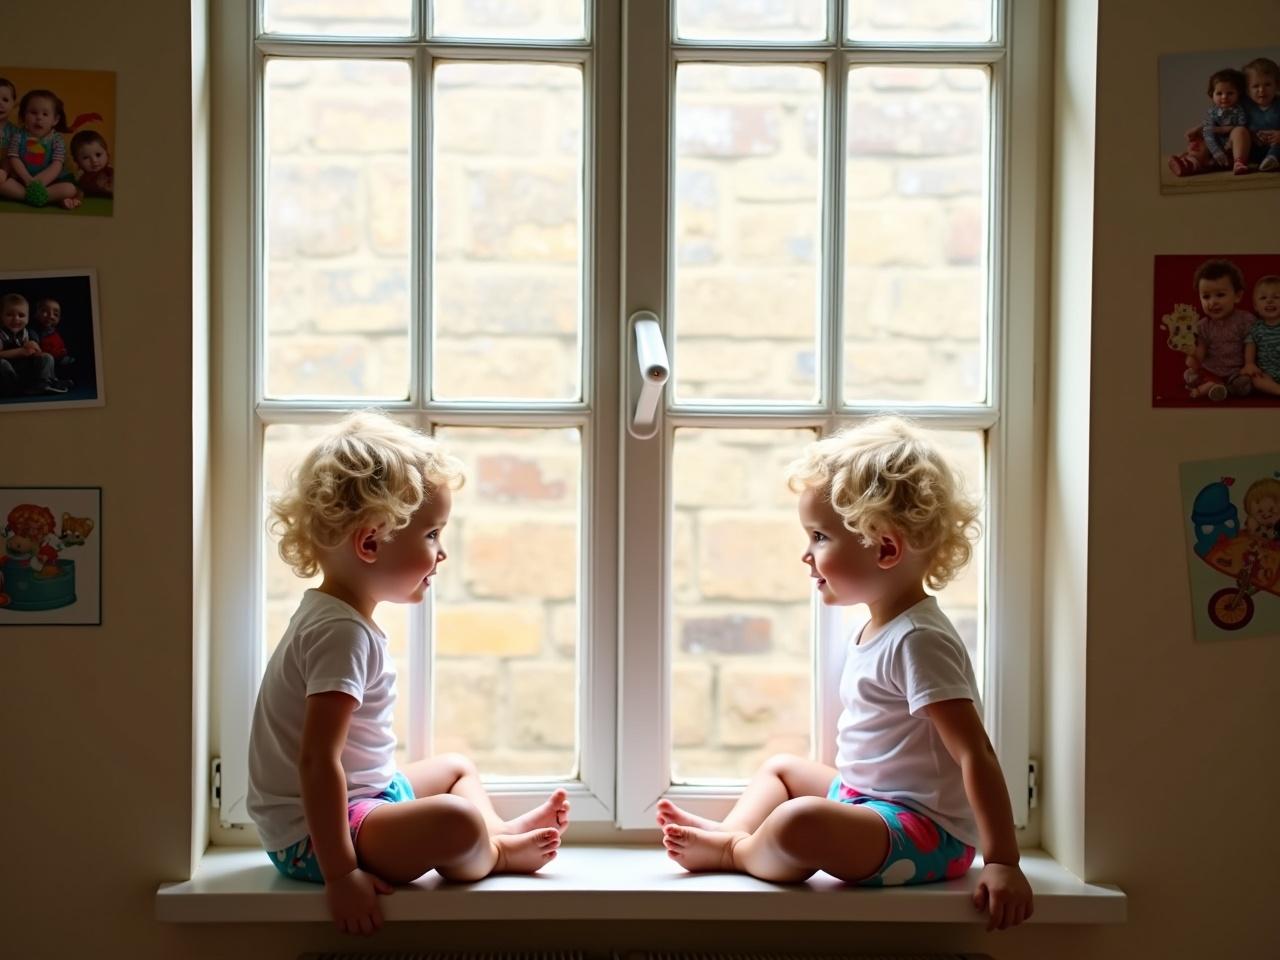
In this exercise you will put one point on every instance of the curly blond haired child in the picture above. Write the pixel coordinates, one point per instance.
(916, 783)
(367, 508)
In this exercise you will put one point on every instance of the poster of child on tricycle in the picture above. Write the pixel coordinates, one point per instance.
(1232, 512)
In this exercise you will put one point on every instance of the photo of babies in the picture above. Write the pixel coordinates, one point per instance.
(57, 139)
(49, 340)
(1216, 332)
(1220, 120)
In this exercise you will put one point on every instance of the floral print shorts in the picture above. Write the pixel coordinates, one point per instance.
(920, 851)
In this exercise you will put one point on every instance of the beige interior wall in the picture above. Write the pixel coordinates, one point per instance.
(1164, 791)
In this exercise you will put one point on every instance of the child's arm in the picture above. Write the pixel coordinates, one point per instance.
(351, 893)
(49, 173)
(1250, 368)
(1002, 889)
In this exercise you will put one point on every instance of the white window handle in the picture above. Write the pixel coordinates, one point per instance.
(648, 375)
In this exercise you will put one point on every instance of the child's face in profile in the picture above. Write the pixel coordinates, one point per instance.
(49, 314)
(92, 156)
(1225, 94)
(1218, 297)
(1266, 301)
(407, 561)
(15, 317)
(6, 102)
(41, 116)
(1262, 88)
(845, 568)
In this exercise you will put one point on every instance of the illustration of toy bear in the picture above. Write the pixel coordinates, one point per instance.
(31, 575)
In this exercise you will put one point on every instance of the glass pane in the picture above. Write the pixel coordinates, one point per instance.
(509, 19)
(339, 18)
(284, 447)
(507, 606)
(748, 227)
(947, 21)
(916, 235)
(741, 659)
(962, 599)
(753, 20)
(337, 228)
(507, 270)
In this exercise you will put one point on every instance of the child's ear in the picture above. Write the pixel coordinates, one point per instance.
(891, 550)
(365, 541)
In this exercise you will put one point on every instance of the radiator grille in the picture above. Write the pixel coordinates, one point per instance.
(636, 955)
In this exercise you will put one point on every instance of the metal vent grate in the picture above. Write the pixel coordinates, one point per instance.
(636, 955)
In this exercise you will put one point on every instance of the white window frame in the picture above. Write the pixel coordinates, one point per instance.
(625, 681)
(1008, 416)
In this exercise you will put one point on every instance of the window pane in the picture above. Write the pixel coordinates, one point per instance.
(757, 20)
(284, 446)
(507, 607)
(748, 223)
(337, 229)
(741, 659)
(962, 599)
(509, 19)
(507, 266)
(368, 18)
(953, 21)
(915, 293)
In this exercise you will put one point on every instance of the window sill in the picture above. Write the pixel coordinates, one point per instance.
(622, 883)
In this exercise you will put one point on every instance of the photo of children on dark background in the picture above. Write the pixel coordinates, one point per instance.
(1220, 120)
(49, 341)
(57, 140)
(1216, 331)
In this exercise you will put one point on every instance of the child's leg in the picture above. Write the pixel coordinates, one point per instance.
(13, 189)
(1265, 384)
(797, 839)
(64, 194)
(457, 774)
(779, 778)
(399, 842)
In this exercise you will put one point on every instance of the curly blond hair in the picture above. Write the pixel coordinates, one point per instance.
(885, 475)
(367, 471)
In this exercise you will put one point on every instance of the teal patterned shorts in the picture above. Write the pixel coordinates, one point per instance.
(298, 862)
(920, 851)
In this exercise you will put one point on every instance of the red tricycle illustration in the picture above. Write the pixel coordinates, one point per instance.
(1254, 563)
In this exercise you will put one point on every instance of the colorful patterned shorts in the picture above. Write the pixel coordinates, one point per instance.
(920, 851)
(298, 862)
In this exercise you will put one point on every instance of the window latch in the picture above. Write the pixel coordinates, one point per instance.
(647, 375)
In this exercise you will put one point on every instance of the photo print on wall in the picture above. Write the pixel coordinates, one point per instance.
(1216, 331)
(1220, 120)
(51, 568)
(1231, 512)
(57, 141)
(50, 340)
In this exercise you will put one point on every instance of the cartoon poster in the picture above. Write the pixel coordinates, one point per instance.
(57, 141)
(51, 568)
(1231, 509)
(50, 341)
(1216, 331)
(1220, 120)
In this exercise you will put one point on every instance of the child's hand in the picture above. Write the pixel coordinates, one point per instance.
(353, 901)
(1250, 370)
(1004, 893)
(31, 347)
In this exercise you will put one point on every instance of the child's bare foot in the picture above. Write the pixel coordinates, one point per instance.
(70, 203)
(697, 850)
(525, 852)
(668, 812)
(552, 812)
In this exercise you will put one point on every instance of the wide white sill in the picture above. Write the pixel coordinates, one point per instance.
(622, 883)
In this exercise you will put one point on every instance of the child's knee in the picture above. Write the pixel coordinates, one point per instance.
(780, 764)
(801, 829)
(459, 765)
(457, 827)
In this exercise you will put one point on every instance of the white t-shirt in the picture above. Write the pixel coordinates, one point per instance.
(327, 646)
(886, 746)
